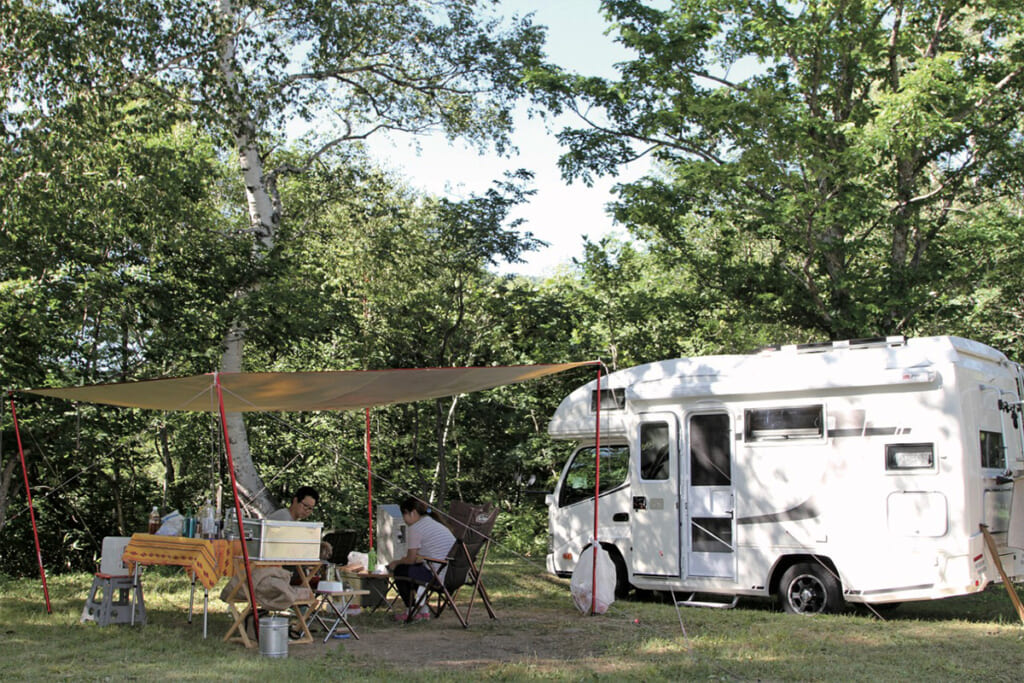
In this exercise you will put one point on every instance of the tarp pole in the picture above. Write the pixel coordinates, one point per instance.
(31, 509)
(597, 493)
(369, 481)
(238, 506)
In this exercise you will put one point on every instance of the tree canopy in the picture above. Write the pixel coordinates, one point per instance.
(184, 189)
(846, 164)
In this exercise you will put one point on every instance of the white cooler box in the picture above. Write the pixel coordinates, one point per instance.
(268, 539)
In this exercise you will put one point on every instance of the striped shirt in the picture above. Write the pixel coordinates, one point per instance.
(431, 537)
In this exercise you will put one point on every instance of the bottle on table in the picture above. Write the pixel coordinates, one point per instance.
(154, 520)
(207, 521)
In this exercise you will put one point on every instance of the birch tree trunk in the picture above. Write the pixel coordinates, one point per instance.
(264, 220)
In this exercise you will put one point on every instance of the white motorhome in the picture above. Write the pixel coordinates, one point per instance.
(854, 471)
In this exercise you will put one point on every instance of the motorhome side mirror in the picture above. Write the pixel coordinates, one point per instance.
(549, 499)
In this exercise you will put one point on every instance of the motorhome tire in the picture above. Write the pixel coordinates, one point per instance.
(622, 584)
(810, 588)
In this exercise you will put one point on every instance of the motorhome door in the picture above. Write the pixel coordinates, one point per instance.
(654, 521)
(710, 497)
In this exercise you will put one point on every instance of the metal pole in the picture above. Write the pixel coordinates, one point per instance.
(31, 509)
(238, 506)
(369, 480)
(597, 493)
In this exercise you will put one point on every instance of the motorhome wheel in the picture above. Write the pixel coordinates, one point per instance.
(810, 588)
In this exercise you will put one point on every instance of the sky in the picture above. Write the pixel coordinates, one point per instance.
(559, 213)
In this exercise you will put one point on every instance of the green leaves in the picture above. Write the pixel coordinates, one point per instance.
(836, 140)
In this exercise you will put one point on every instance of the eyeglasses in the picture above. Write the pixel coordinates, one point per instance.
(309, 508)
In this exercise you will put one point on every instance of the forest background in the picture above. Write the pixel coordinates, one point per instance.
(860, 175)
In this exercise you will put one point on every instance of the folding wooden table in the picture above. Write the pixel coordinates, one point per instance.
(240, 606)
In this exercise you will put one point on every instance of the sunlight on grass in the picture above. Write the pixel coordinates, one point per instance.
(539, 635)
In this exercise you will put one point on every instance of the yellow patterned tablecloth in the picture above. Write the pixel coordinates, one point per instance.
(207, 560)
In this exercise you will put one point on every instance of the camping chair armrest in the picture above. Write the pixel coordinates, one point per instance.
(439, 560)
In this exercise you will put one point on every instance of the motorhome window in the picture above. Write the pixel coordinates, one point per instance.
(783, 424)
(710, 450)
(993, 454)
(611, 399)
(654, 451)
(909, 456)
(582, 474)
(711, 535)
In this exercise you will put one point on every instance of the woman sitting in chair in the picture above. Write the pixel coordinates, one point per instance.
(426, 537)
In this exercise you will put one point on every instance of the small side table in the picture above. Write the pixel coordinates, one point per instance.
(338, 600)
(378, 585)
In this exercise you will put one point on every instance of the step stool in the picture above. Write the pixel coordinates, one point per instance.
(101, 606)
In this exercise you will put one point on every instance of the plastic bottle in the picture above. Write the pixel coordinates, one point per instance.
(154, 520)
(207, 520)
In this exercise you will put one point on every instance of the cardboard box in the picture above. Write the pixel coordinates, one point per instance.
(268, 539)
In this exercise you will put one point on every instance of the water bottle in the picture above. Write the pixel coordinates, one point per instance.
(207, 521)
(154, 520)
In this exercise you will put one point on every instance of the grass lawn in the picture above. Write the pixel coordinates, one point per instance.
(538, 635)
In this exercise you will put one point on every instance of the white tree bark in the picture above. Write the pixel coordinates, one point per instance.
(263, 220)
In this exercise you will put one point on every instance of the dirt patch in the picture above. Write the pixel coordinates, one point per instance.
(546, 639)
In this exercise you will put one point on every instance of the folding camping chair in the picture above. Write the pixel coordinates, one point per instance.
(447, 576)
(472, 526)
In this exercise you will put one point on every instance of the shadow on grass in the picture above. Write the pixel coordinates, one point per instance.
(538, 634)
(991, 605)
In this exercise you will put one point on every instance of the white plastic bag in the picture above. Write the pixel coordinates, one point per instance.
(171, 525)
(583, 578)
(361, 559)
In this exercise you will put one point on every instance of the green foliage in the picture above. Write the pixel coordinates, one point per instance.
(126, 248)
(820, 170)
(519, 531)
(823, 165)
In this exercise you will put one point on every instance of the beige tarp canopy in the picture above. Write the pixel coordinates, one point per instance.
(298, 391)
(287, 391)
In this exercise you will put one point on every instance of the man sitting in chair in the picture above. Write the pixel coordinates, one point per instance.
(303, 502)
(426, 537)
